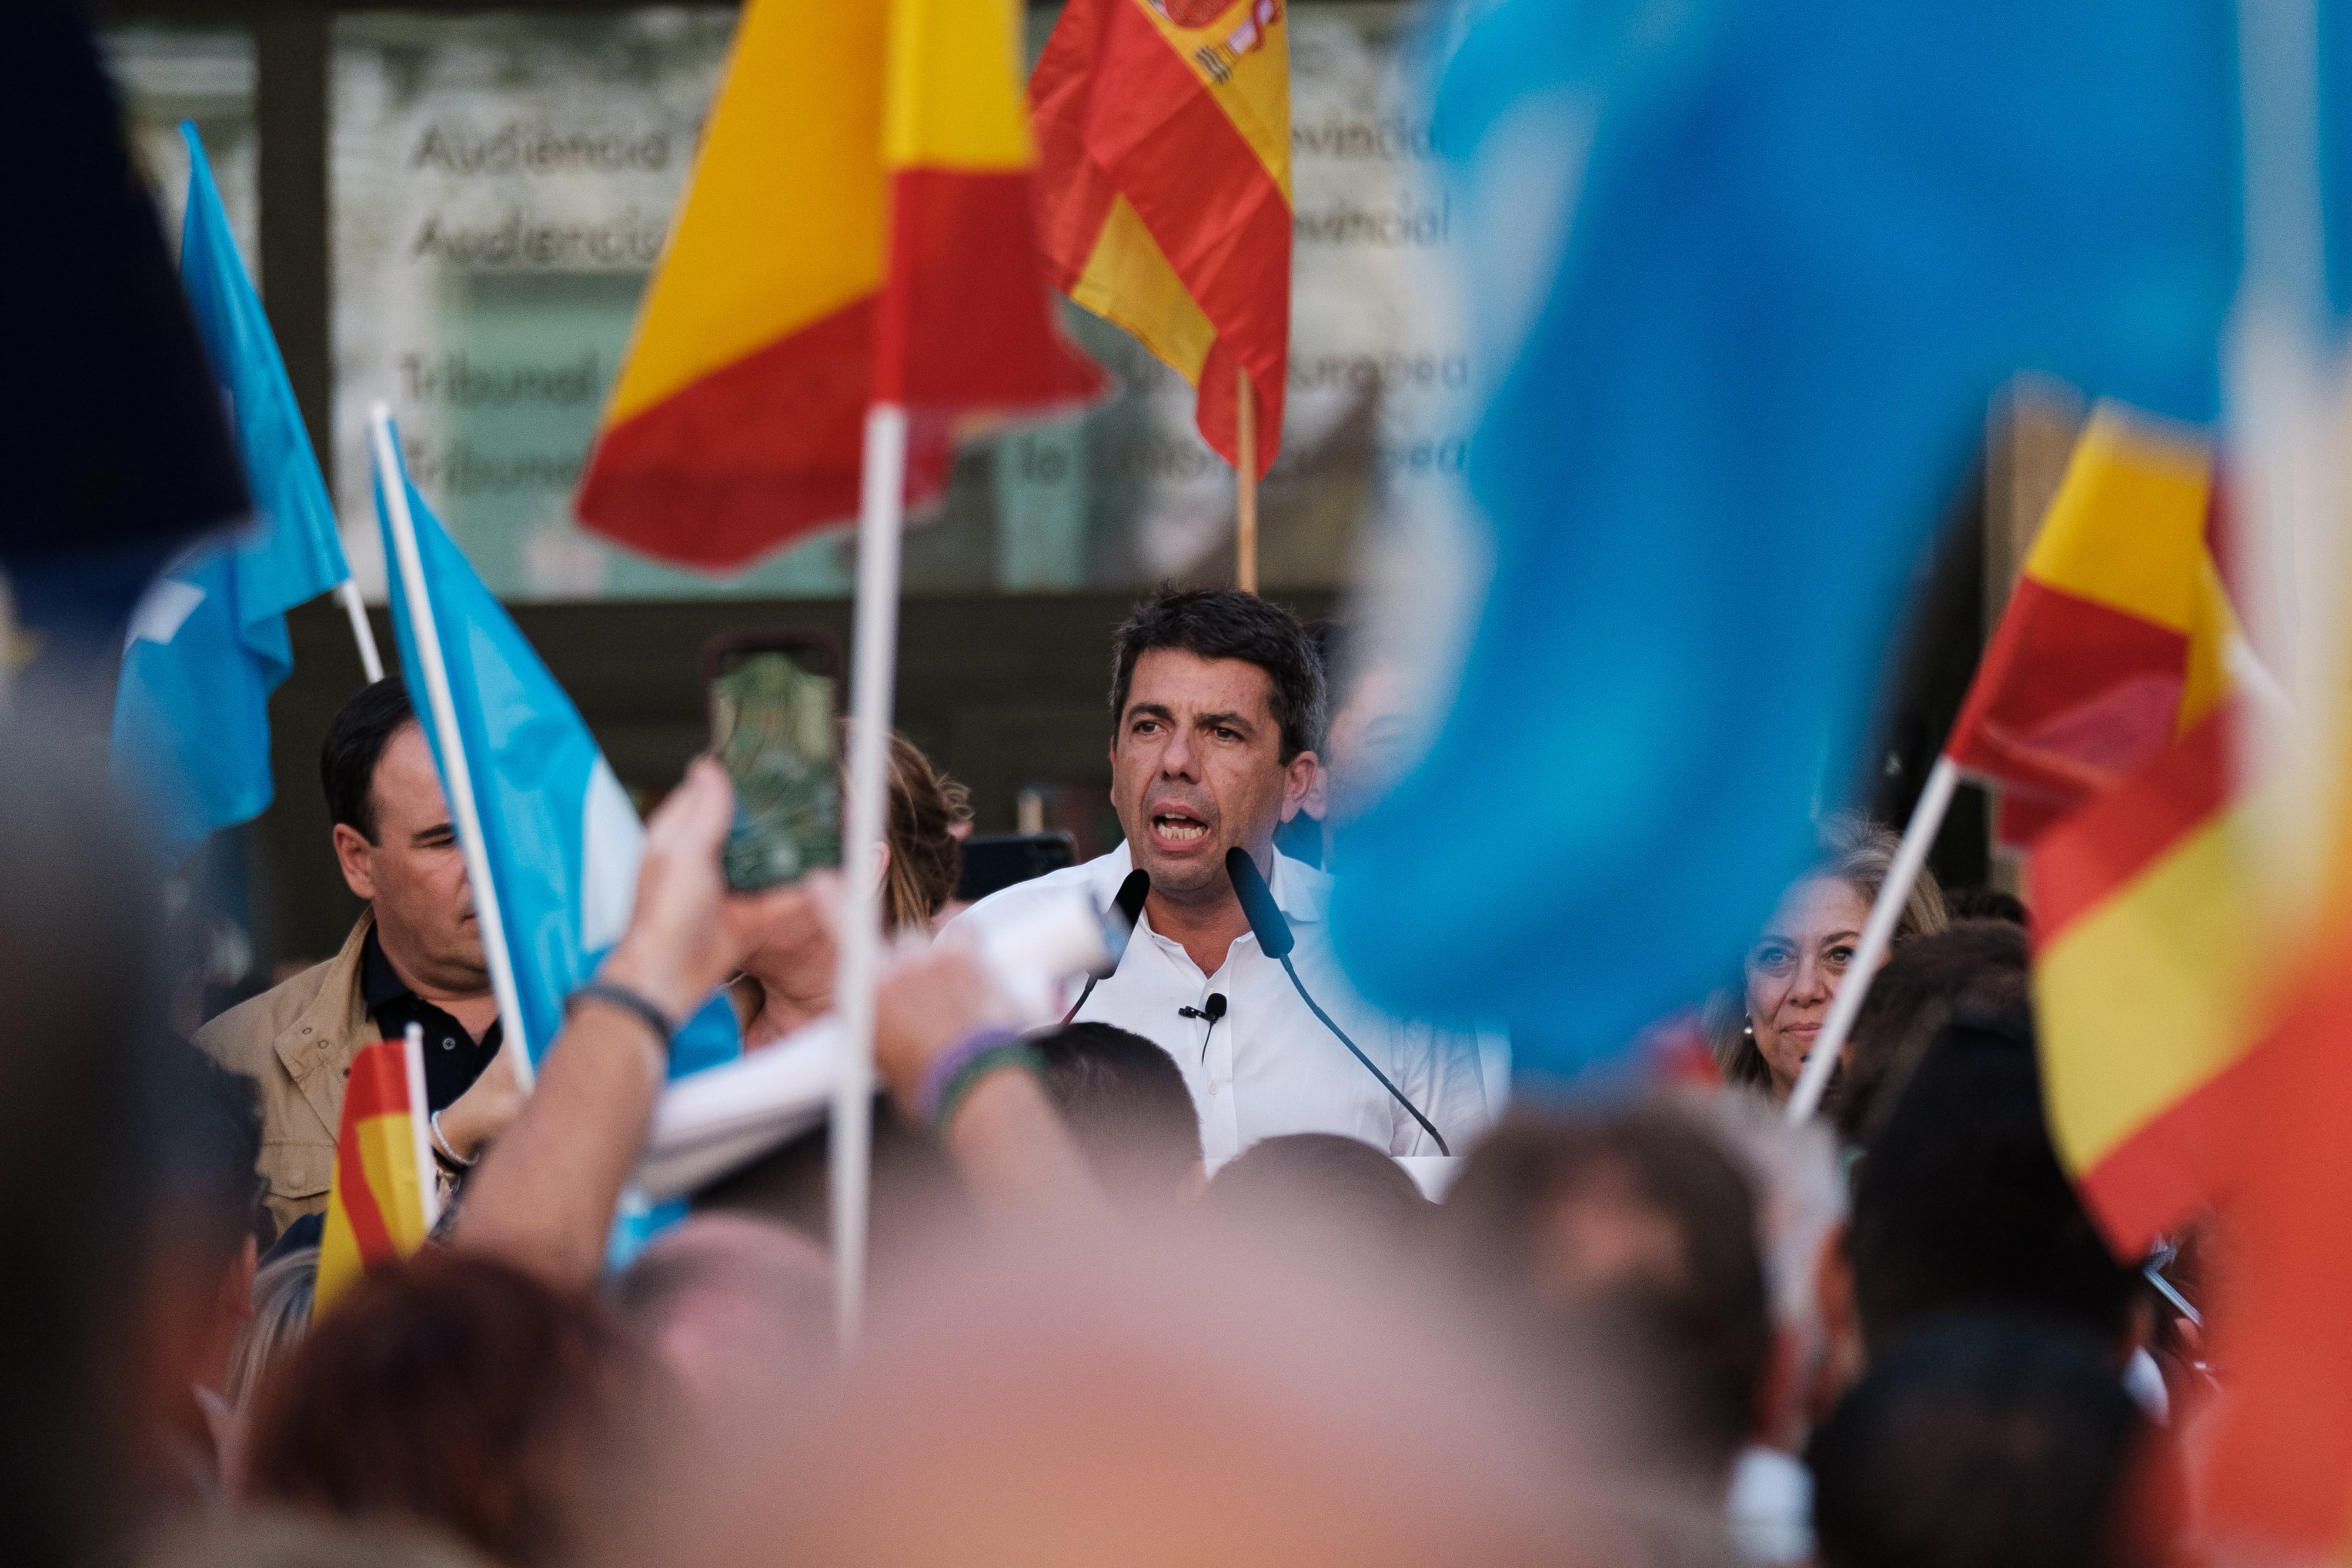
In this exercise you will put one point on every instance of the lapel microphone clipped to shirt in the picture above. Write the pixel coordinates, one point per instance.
(1212, 1009)
(1275, 940)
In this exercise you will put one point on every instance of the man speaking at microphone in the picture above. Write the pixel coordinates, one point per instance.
(1216, 700)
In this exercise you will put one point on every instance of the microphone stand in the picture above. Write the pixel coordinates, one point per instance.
(1274, 938)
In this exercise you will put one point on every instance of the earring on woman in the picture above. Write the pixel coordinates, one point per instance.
(1748, 1026)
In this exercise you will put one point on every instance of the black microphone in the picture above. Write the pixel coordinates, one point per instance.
(1129, 903)
(1131, 895)
(1213, 1009)
(1274, 939)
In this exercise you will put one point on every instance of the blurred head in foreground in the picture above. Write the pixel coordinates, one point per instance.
(1323, 1189)
(1969, 968)
(1800, 1211)
(1638, 1230)
(1125, 1102)
(459, 1394)
(1797, 962)
(200, 1253)
(1961, 1205)
(738, 1310)
(1983, 1443)
(1167, 1400)
(77, 929)
(257, 1538)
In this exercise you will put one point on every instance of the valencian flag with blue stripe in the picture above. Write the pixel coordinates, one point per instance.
(559, 834)
(208, 645)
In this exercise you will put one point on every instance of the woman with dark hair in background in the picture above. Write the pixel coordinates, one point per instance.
(1794, 968)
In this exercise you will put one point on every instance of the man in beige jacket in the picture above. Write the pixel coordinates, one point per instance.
(416, 956)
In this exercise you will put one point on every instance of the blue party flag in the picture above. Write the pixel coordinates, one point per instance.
(559, 836)
(1803, 244)
(208, 645)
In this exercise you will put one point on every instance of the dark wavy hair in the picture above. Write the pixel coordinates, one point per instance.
(355, 745)
(1226, 624)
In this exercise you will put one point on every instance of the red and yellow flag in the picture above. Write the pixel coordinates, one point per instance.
(2101, 711)
(2278, 1481)
(2152, 965)
(382, 1205)
(2117, 640)
(1163, 132)
(859, 228)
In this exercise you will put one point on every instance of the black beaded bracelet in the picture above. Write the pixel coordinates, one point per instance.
(626, 1000)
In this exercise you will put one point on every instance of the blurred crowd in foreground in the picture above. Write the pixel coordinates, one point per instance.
(1654, 1325)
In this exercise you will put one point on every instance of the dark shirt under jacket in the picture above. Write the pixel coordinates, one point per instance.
(453, 1059)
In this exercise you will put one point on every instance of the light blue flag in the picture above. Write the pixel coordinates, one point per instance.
(560, 837)
(208, 644)
(1802, 245)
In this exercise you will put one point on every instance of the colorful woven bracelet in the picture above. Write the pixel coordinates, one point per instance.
(952, 1060)
(1021, 1055)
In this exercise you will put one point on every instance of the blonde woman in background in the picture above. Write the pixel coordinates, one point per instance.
(1794, 968)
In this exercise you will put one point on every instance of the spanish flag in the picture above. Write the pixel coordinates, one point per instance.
(382, 1203)
(859, 228)
(2101, 711)
(2152, 969)
(2118, 637)
(1163, 131)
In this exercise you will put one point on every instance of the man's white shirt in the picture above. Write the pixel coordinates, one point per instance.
(1269, 1066)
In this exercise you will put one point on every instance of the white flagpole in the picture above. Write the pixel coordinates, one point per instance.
(1878, 936)
(2285, 396)
(881, 514)
(444, 710)
(420, 1122)
(347, 593)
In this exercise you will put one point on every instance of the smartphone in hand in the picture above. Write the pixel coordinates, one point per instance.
(775, 712)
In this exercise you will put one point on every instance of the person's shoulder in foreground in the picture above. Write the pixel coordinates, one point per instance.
(1100, 878)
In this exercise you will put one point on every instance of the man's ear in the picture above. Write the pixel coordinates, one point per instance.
(1317, 803)
(1299, 776)
(357, 858)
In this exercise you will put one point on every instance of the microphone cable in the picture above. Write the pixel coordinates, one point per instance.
(1274, 938)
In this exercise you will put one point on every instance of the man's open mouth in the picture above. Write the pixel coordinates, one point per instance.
(1179, 827)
